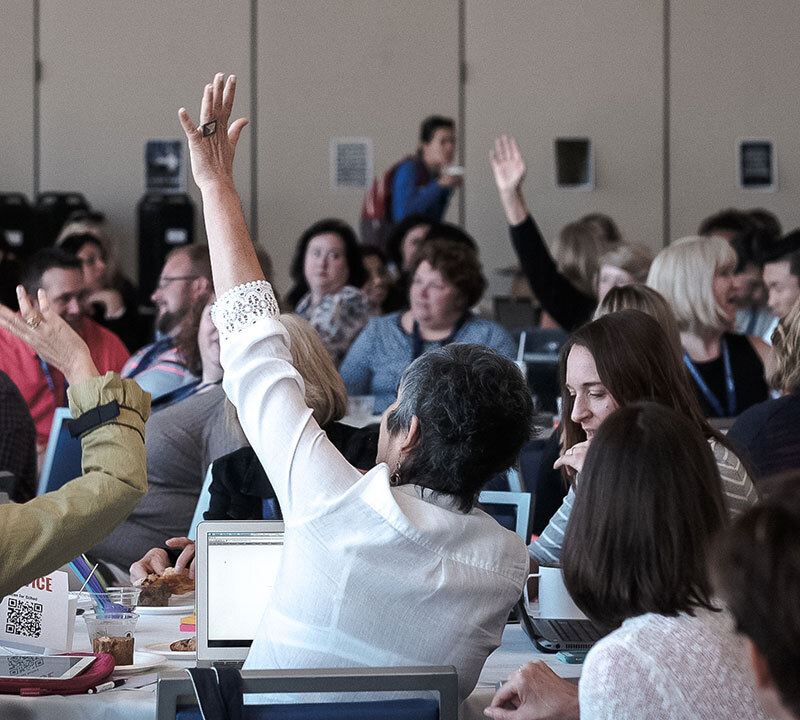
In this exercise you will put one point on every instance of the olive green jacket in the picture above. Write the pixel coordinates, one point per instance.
(41, 535)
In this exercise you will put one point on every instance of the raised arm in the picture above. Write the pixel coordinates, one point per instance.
(509, 170)
(558, 296)
(259, 378)
(39, 536)
(212, 147)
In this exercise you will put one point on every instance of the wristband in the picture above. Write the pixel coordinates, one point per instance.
(93, 418)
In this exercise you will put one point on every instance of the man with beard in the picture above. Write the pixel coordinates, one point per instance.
(159, 367)
(42, 385)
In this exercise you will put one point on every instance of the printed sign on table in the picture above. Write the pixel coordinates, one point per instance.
(37, 616)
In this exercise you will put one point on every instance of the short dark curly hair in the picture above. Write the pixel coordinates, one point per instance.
(458, 265)
(474, 411)
(357, 276)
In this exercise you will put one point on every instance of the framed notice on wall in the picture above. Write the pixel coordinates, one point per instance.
(756, 165)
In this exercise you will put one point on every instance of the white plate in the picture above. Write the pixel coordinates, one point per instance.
(141, 661)
(163, 649)
(165, 610)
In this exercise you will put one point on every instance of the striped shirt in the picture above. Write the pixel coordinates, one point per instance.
(738, 491)
(158, 368)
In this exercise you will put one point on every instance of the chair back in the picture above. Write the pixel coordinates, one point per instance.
(62, 461)
(511, 509)
(203, 502)
(176, 698)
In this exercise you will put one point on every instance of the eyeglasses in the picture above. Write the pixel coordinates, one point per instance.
(164, 281)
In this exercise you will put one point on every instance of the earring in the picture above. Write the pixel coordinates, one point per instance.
(395, 477)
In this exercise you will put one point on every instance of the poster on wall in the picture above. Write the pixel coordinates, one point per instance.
(350, 162)
(163, 160)
(756, 165)
(574, 163)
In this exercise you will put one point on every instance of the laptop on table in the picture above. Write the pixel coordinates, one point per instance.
(551, 635)
(237, 564)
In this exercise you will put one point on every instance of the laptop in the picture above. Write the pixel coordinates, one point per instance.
(551, 635)
(237, 563)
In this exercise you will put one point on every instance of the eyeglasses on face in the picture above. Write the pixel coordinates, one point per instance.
(164, 281)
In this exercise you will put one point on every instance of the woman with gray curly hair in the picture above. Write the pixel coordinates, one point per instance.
(394, 567)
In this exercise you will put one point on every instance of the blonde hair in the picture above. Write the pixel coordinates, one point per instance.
(641, 297)
(683, 273)
(786, 345)
(580, 245)
(325, 392)
(633, 259)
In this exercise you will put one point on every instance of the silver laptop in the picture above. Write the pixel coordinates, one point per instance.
(237, 563)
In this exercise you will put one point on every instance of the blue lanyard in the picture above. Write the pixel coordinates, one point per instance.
(181, 393)
(713, 400)
(51, 383)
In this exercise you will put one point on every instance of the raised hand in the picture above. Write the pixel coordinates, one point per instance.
(212, 146)
(507, 165)
(50, 336)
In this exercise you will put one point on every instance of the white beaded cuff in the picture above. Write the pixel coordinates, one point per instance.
(242, 306)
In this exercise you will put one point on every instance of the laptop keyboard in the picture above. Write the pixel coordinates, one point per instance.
(573, 630)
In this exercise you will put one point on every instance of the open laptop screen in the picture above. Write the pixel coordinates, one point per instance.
(242, 567)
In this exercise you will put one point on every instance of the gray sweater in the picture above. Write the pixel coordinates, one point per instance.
(181, 441)
(382, 351)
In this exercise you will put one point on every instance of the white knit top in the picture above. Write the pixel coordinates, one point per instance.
(670, 668)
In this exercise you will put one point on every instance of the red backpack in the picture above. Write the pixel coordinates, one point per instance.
(376, 210)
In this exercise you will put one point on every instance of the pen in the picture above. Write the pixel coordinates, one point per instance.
(110, 685)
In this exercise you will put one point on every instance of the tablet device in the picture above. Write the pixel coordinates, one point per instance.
(24, 667)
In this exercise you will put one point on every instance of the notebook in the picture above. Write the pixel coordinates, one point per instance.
(552, 634)
(237, 563)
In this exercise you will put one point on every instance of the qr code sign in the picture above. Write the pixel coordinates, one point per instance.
(24, 618)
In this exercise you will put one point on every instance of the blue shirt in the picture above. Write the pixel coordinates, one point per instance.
(383, 350)
(409, 198)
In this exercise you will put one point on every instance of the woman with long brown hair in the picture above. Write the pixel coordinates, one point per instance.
(616, 360)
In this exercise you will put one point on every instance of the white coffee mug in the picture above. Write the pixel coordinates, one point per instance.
(554, 600)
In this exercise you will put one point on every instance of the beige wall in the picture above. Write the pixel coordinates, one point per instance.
(362, 68)
(734, 75)
(16, 89)
(539, 70)
(114, 74)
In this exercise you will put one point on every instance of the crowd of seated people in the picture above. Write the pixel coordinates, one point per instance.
(634, 487)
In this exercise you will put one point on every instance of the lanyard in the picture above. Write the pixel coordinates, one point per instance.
(181, 393)
(713, 400)
(417, 340)
(51, 383)
(156, 349)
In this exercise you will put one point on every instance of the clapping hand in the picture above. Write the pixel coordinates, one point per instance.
(507, 165)
(49, 335)
(212, 145)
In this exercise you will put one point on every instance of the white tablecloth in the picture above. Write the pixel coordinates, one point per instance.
(140, 704)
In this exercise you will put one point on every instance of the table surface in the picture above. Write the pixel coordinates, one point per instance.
(140, 703)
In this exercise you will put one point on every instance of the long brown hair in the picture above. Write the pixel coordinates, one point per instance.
(635, 361)
(649, 506)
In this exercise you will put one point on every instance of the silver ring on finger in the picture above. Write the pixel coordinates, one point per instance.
(209, 128)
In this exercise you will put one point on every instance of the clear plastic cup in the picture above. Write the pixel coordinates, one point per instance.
(124, 599)
(112, 633)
